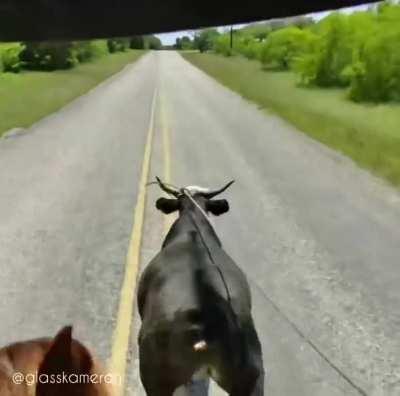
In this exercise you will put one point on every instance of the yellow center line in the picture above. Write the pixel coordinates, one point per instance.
(168, 220)
(125, 310)
(166, 140)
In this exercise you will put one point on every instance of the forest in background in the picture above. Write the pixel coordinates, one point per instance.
(48, 56)
(359, 51)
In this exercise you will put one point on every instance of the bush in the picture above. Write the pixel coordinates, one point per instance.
(84, 51)
(283, 46)
(360, 50)
(119, 44)
(136, 42)
(48, 56)
(248, 46)
(99, 48)
(245, 45)
(375, 73)
(328, 61)
(9, 58)
(222, 45)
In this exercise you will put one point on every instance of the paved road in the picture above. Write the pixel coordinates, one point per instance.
(318, 237)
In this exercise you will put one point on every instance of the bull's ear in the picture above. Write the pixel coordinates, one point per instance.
(167, 205)
(217, 206)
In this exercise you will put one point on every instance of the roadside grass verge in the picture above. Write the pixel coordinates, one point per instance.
(369, 134)
(29, 96)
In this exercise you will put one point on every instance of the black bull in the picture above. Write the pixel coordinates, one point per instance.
(195, 306)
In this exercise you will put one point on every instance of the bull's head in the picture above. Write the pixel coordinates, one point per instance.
(202, 196)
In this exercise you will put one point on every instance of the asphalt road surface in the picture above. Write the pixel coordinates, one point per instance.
(317, 237)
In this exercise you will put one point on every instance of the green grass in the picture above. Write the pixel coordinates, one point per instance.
(369, 134)
(29, 96)
(5, 46)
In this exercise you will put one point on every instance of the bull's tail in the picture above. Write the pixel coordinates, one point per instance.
(217, 316)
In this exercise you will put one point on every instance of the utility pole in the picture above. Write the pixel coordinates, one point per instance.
(231, 37)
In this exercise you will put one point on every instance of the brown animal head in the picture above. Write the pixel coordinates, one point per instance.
(51, 367)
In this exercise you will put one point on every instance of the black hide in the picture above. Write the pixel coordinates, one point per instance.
(217, 206)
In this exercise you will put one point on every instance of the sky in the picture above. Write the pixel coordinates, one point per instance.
(169, 38)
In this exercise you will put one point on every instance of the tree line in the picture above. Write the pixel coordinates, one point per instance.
(48, 56)
(360, 51)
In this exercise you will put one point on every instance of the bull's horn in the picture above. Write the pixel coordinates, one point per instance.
(212, 193)
(167, 189)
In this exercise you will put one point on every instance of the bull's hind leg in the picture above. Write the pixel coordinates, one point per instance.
(162, 371)
(154, 382)
(249, 378)
(249, 381)
(153, 375)
(159, 385)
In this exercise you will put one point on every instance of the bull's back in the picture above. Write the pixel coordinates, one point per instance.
(183, 277)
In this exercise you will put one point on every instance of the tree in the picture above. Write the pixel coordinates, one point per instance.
(178, 43)
(283, 46)
(137, 42)
(329, 56)
(204, 41)
(118, 44)
(259, 31)
(222, 45)
(186, 43)
(375, 71)
(152, 42)
(248, 46)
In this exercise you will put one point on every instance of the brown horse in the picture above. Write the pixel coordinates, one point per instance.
(60, 366)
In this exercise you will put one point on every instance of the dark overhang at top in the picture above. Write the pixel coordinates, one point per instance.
(79, 19)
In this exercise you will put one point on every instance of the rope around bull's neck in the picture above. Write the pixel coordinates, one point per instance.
(208, 250)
